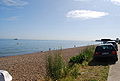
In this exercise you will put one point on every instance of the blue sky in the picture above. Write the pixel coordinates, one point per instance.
(60, 19)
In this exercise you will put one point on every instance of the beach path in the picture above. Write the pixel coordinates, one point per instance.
(114, 71)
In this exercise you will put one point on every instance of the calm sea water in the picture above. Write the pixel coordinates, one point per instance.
(10, 47)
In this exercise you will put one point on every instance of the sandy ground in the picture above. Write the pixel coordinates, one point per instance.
(31, 67)
(114, 72)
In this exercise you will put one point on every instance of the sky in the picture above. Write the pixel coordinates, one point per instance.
(59, 19)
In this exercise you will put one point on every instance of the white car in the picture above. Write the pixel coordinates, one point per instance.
(5, 76)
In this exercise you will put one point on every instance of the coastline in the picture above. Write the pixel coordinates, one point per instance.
(31, 67)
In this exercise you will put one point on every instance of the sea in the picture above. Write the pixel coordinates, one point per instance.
(11, 47)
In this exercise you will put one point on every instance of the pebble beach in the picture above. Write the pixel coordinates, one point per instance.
(32, 67)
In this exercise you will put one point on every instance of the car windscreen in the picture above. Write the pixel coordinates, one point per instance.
(104, 48)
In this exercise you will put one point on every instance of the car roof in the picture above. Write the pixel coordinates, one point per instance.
(111, 41)
(106, 44)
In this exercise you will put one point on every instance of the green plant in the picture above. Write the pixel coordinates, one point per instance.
(58, 69)
(77, 59)
(69, 78)
(74, 72)
(55, 66)
(93, 80)
(85, 55)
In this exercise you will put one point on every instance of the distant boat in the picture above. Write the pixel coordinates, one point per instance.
(16, 39)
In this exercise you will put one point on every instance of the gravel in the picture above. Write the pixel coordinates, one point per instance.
(32, 67)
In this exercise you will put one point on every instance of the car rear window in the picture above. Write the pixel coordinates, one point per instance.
(112, 43)
(105, 48)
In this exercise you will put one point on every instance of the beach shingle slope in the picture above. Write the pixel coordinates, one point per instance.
(31, 67)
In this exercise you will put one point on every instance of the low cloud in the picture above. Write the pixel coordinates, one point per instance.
(14, 2)
(85, 14)
(116, 2)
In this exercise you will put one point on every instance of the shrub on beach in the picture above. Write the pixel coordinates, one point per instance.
(85, 55)
(58, 69)
(55, 66)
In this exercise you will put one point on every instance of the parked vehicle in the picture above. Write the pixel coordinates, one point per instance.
(5, 76)
(114, 44)
(105, 50)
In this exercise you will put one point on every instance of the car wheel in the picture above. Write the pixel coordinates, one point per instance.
(115, 58)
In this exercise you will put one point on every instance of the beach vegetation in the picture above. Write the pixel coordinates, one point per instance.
(58, 69)
(77, 69)
(85, 55)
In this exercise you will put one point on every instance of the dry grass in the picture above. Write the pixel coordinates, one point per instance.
(93, 73)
